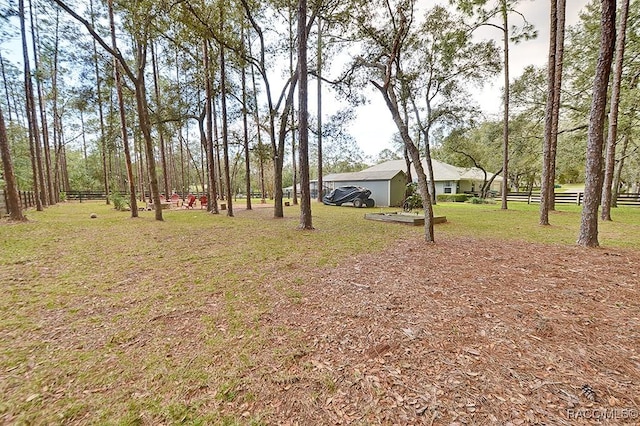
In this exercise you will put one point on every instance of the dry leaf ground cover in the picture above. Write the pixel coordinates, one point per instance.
(212, 320)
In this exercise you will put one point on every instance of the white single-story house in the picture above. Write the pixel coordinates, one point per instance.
(387, 186)
(387, 181)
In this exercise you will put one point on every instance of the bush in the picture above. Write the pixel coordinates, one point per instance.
(479, 200)
(454, 198)
(62, 196)
(119, 202)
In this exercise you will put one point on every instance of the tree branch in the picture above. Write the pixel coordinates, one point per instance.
(115, 53)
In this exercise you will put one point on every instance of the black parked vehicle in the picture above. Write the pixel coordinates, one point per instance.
(356, 195)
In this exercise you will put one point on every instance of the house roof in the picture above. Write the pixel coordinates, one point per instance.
(365, 175)
(441, 171)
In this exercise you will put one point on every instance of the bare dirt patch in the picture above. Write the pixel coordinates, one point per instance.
(467, 331)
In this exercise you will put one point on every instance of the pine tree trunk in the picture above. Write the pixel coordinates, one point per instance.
(263, 193)
(320, 184)
(212, 193)
(34, 134)
(11, 185)
(123, 119)
(616, 179)
(612, 134)
(505, 132)
(163, 156)
(545, 193)
(6, 86)
(216, 147)
(303, 119)
(225, 124)
(145, 128)
(245, 127)
(52, 196)
(557, 94)
(103, 139)
(588, 236)
(292, 48)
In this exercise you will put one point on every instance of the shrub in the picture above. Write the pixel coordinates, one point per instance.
(62, 196)
(454, 198)
(119, 202)
(479, 200)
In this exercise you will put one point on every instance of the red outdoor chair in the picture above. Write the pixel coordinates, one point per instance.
(191, 200)
(204, 203)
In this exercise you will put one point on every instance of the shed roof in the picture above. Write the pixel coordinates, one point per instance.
(441, 171)
(365, 175)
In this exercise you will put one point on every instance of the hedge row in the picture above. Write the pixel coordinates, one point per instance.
(455, 198)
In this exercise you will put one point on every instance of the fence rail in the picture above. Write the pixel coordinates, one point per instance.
(570, 198)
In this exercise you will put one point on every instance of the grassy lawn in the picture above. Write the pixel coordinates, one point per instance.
(128, 321)
(520, 222)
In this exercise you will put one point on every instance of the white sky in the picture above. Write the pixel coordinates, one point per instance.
(374, 127)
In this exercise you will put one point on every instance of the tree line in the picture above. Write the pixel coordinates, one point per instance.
(171, 95)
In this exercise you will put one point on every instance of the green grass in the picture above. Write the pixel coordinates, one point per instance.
(571, 187)
(521, 222)
(117, 320)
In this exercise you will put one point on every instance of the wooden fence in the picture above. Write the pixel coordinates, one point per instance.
(27, 199)
(570, 198)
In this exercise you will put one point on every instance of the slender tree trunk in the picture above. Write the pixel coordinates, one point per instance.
(123, 118)
(505, 132)
(292, 48)
(426, 130)
(163, 156)
(58, 134)
(145, 126)
(51, 195)
(65, 168)
(213, 193)
(103, 139)
(320, 184)
(139, 157)
(225, 129)
(612, 134)
(545, 194)
(303, 119)
(407, 162)
(557, 95)
(294, 164)
(182, 170)
(555, 67)
(278, 160)
(6, 86)
(263, 192)
(588, 236)
(216, 146)
(616, 178)
(11, 185)
(34, 134)
(423, 186)
(245, 127)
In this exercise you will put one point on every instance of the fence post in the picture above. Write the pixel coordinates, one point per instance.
(579, 198)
